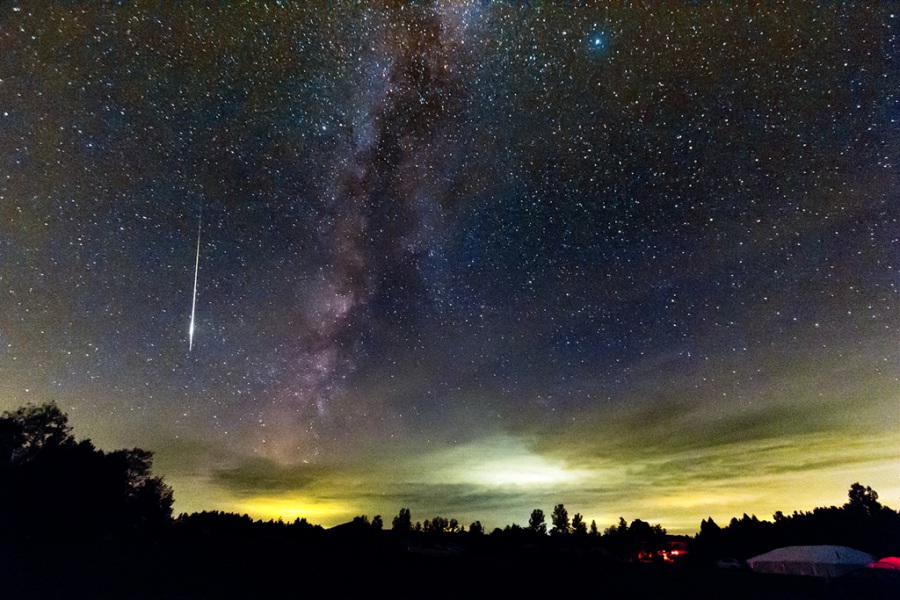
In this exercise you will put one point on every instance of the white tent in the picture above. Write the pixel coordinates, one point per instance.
(816, 561)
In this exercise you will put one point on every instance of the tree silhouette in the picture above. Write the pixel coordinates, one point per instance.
(651, 538)
(560, 518)
(537, 523)
(403, 521)
(579, 527)
(626, 541)
(476, 528)
(594, 530)
(52, 485)
(710, 528)
(150, 500)
(377, 523)
(863, 500)
(438, 525)
(25, 432)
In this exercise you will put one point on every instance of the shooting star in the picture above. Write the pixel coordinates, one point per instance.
(196, 271)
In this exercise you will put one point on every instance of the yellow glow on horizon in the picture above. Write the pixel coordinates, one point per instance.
(289, 508)
(500, 479)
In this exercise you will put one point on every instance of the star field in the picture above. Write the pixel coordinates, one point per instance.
(467, 258)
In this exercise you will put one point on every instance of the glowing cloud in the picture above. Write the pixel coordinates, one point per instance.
(504, 461)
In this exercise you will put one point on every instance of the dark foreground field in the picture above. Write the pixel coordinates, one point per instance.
(188, 569)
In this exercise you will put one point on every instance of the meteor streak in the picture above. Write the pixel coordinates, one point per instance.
(196, 271)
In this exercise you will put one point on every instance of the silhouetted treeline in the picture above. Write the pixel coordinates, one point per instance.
(220, 525)
(78, 522)
(862, 523)
(53, 487)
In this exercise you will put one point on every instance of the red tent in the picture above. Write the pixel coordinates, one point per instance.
(888, 562)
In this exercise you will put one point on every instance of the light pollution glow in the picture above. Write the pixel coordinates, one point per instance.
(495, 482)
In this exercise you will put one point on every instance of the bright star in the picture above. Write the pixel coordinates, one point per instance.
(597, 42)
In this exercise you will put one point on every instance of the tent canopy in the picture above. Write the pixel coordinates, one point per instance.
(815, 561)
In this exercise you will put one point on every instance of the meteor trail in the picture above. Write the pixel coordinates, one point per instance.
(196, 271)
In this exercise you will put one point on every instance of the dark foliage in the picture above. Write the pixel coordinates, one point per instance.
(560, 519)
(627, 541)
(862, 523)
(579, 527)
(537, 523)
(54, 487)
(403, 521)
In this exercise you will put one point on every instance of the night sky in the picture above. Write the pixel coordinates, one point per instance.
(466, 259)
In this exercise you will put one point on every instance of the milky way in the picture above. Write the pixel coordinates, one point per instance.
(464, 258)
(383, 200)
